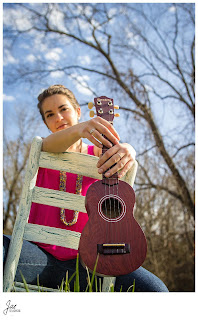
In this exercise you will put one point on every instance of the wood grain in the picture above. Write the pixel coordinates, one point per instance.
(98, 231)
(55, 236)
(59, 199)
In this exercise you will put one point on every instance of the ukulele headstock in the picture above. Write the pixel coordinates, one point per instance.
(104, 108)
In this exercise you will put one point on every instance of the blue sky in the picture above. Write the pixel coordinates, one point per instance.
(27, 49)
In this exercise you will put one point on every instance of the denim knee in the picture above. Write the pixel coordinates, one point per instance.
(6, 243)
(145, 281)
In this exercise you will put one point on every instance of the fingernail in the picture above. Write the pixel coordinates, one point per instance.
(107, 174)
(100, 171)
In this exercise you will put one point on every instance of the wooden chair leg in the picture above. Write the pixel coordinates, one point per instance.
(107, 283)
(22, 216)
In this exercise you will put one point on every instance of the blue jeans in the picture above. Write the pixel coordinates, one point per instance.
(36, 261)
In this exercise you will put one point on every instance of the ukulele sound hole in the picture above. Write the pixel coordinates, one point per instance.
(111, 208)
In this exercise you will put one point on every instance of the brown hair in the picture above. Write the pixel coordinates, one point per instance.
(56, 89)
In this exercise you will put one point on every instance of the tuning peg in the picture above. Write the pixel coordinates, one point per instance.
(90, 105)
(91, 114)
(116, 107)
(116, 114)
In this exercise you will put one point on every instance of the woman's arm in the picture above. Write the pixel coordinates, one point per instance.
(122, 154)
(60, 141)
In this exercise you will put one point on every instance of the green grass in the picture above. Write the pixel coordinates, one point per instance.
(92, 283)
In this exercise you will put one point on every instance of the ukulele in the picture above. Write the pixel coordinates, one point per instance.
(111, 235)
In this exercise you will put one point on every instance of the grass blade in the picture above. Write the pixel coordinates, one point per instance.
(25, 283)
(132, 286)
(38, 283)
(88, 281)
(112, 288)
(61, 286)
(66, 288)
(77, 282)
(94, 271)
(96, 284)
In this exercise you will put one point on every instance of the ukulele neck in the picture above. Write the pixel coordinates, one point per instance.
(113, 180)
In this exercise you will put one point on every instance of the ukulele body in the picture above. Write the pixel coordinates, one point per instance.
(111, 233)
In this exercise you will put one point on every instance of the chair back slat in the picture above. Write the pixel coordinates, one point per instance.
(59, 199)
(130, 175)
(50, 235)
(77, 163)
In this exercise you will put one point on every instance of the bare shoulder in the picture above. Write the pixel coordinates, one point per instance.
(97, 151)
(84, 148)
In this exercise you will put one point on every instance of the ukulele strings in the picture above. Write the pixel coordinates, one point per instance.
(106, 207)
(110, 206)
(106, 213)
(110, 212)
(112, 209)
(110, 231)
(119, 223)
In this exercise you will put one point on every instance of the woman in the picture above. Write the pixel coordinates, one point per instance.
(61, 112)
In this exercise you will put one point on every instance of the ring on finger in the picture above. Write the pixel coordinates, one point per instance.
(92, 130)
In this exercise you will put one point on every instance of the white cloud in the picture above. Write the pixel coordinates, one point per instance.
(8, 98)
(81, 83)
(172, 9)
(39, 42)
(84, 25)
(30, 58)
(111, 14)
(81, 9)
(57, 74)
(88, 10)
(112, 11)
(84, 60)
(148, 88)
(132, 39)
(19, 17)
(54, 54)
(23, 23)
(8, 58)
(56, 20)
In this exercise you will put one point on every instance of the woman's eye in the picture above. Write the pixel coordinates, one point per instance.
(49, 115)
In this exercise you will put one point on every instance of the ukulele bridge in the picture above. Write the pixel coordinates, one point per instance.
(113, 248)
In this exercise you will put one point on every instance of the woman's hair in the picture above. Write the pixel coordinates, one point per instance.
(56, 89)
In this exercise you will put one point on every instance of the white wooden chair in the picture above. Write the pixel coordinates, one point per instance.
(70, 162)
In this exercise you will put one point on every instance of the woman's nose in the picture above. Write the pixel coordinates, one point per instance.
(59, 116)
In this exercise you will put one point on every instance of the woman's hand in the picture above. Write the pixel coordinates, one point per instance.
(94, 129)
(121, 154)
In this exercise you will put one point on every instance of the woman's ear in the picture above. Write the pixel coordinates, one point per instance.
(78, 110)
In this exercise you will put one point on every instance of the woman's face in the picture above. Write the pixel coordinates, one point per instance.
(59, 113)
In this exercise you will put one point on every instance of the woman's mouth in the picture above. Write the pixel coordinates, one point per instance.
(62, 126)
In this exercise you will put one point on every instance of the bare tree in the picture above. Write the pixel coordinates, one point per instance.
(16, 152)
(145, 55)
(167, 63)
